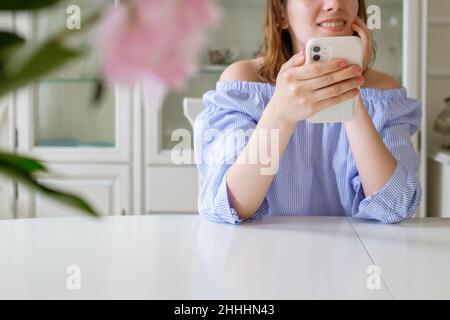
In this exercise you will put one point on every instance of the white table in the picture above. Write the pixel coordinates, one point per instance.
(414, 257)
(183, 256)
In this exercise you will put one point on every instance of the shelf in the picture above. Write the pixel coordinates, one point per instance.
(75, 143)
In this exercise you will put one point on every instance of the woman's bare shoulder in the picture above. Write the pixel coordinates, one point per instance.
(379, 80)
(243, 70)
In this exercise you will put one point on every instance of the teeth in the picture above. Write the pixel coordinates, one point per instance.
(332, 24)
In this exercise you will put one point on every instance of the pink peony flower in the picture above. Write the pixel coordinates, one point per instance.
(155, 40)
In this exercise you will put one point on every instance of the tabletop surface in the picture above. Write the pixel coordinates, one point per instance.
(184, 256)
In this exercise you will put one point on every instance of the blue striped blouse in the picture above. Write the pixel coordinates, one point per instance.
(317, 174)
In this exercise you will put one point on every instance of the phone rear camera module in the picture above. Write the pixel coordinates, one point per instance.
(316, 49)
(316, 57)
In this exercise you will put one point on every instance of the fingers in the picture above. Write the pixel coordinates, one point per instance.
(332, 78)
(362, 33)
(315, 70)
(337, 99)
(366, 37)
(338, 89)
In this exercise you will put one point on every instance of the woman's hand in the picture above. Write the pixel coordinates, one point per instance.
(366, 36)
(302, 90)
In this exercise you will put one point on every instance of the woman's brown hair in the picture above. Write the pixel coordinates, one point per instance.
(277, 47)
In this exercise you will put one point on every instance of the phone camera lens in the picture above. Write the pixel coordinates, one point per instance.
(316, 49)
(316, 57)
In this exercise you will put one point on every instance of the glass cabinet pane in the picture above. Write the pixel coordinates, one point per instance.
(64, 112)
(65, 117)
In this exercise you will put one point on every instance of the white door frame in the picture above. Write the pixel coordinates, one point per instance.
(415, 21)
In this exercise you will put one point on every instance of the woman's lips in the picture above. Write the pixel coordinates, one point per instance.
(332, 26)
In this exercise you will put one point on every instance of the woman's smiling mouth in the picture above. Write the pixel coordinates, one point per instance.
(332, 25)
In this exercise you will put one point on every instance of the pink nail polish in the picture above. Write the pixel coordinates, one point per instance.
(343, 63)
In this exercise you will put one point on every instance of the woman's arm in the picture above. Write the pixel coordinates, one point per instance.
(247, 185)
(373, 160)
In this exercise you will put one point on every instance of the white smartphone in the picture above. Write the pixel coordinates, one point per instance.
(328, 48)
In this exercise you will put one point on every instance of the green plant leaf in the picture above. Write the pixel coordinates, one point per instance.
(9, 43)
(26, 65)
(22, 169)
(25, 165)
(15, 5)
(9, 38)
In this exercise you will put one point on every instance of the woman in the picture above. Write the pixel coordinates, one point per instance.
(363, 168)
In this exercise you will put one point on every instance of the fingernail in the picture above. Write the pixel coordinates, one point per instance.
(344, 63)
(357, 70)
(360, 80)
(302, 52)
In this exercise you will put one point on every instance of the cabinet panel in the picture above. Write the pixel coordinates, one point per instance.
(438, 188)
(106, 188)
(171, 189)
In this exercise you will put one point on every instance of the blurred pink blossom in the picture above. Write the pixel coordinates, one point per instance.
(155, 40)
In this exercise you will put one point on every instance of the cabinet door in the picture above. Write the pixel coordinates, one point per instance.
(56, 117)
(105, 187)
(171, 189)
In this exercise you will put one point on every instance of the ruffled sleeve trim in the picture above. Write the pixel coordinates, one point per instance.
(383, 94)
(247, 86)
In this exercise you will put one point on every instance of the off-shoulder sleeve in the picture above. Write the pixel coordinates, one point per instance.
(396, 117)
(220, 131)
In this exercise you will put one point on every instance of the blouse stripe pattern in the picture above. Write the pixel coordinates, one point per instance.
(317, 174)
